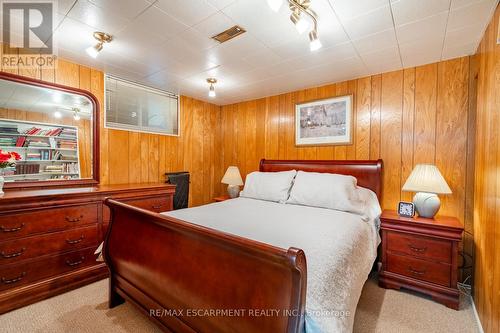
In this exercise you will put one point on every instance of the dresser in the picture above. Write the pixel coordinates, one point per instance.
(48, 237)
(422, 255)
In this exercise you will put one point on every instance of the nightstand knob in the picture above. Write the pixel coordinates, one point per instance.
(417, 249)
(415, 272)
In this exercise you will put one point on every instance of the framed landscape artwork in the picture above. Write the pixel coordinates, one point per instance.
(324, 122)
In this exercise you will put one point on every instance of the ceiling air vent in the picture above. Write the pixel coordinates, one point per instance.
(229, 34)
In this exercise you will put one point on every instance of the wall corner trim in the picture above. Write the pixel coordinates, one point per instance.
(476, 315)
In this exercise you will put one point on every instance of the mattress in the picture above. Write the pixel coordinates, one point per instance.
(340, 248)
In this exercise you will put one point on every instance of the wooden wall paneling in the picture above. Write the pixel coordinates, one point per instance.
(363, 118)
(425, 114)
(97, 88)
(144, 162)
(196, 148)
(390, 141)
(118, 152)
(451, 131)
(272, 125)
(288, 112)
(351, 90)
(250, 139)
(487, 181)
(67, 73)
(375, 128)
(407, 133)
(153, 158)
(134, 157)
(260, 131)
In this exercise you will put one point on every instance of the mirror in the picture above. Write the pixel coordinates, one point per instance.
(53, 130)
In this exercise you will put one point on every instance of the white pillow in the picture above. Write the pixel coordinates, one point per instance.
(326, 190)
(270, 186)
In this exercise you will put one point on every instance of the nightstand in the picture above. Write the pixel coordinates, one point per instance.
(422, 255)
(222, 198)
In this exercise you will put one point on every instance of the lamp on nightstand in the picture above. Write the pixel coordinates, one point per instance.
(233, 180)
(427, 181)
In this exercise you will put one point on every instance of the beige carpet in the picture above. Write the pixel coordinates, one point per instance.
(379, 310)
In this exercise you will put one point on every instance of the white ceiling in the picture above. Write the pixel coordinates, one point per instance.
(166, 43)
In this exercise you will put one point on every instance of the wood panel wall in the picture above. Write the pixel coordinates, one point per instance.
(487, 182)
(416, 115)
(132, 157)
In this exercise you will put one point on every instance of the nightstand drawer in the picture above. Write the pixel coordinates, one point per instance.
(419, 269)
(422, 247)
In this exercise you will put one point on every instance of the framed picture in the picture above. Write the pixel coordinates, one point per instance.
(406, 209)
(324, 122)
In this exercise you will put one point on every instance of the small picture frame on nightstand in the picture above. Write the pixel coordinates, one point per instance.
(406, 209)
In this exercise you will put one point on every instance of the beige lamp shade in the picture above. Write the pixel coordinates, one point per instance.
(426, 178)
(232, 176)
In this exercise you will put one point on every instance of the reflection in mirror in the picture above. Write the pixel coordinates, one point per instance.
(50, 129)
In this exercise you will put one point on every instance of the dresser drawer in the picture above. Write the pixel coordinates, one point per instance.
(419, 269)
(46, 220)
(13, 276)
(156, 204)
(421, 247)
(53, 243)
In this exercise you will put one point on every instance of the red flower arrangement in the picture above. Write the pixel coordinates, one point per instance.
(8, 159)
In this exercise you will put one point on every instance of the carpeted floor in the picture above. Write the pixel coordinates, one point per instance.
(379, 310)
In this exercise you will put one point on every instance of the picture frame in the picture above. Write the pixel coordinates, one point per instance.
(324, 122)
(406, 209)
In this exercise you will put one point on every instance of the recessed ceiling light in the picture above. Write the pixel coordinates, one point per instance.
(211, 89)
(101, 38)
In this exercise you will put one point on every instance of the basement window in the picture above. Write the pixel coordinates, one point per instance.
(138, 108)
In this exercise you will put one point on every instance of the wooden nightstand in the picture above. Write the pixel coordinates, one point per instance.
(422, 255)
(222, 198)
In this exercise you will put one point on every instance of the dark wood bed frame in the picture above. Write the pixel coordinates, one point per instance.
(189, 278)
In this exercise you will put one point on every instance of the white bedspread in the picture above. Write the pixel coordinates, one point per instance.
(340, 248)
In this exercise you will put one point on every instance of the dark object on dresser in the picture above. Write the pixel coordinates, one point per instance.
(48, 237)
(195, 267)
(422, 255)
(181, 180)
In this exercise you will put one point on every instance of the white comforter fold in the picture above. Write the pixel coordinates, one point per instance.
(340, 248)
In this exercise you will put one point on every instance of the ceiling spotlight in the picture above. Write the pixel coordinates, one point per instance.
(301, 24)
(211, 89)
(315, 43)
(275, 4)
(101, 38)
(57, 114)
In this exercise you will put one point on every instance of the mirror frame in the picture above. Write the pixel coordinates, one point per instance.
(95, 136)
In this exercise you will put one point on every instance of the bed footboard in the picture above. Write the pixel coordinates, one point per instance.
(190, 278)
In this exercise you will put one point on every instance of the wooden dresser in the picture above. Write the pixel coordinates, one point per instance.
(48, 237)
(421, 254)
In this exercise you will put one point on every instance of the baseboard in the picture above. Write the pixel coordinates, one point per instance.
(476, 315)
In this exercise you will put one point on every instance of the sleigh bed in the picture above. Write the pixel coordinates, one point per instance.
(206, 276)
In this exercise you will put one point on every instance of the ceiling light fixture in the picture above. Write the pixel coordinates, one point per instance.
(301, 17)
(211, 89)
(57, 114)
(76, 115)
(101, 38)
(275, 4)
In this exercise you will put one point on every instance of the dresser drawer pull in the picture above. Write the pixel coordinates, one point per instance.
(12, 255)
(157, 206)
(417, 249)
(4, 229)
(75, 263)
(14, 280)
(74, 219)
(414, 271)
(75, 241)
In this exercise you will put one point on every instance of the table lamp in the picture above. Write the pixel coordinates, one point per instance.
(233, 180)
(427, 181)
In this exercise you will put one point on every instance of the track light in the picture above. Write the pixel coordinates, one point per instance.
(301, 24)
(101, 38)
(315, 43)
(211, 89)
(275, 5)
(76, 116)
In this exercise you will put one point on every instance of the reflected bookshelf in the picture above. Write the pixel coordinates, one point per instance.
(48, 151)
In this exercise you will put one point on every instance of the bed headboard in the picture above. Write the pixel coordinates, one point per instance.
(368, 173)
